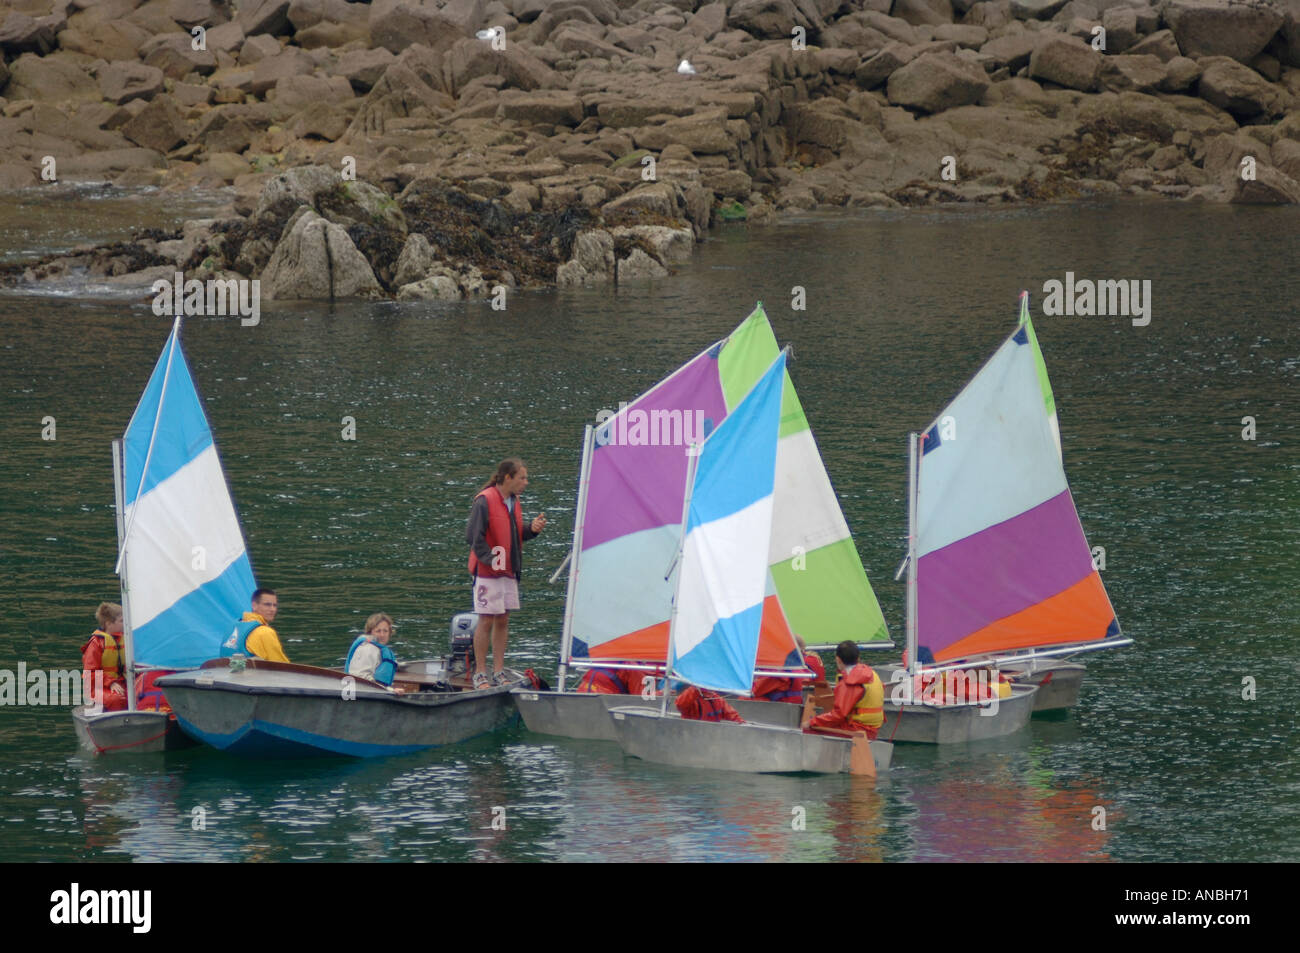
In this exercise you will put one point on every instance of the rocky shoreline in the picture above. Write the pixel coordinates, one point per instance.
(440, 150)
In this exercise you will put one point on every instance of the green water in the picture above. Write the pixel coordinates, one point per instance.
(1201, 530)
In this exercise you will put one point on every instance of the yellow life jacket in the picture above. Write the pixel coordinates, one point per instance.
(111, 661)
(870, 709)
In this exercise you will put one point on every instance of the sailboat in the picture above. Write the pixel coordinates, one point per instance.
(182, 561)
(999, 571)
(627, 528)
(714, 632)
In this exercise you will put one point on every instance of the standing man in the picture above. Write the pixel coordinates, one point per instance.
(253, 635)
(496, 535)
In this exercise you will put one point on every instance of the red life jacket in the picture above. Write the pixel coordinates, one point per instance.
(148, 696)
(705, 706)
(498, 533)
(772, 689)
(603, 681)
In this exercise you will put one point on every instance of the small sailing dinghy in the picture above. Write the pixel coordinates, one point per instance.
(717, 615)
(172, 499)
(264, 709)
(998, 567)
(628, 526)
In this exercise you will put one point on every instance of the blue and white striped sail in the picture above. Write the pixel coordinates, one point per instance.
(724, 573)
(185, 569)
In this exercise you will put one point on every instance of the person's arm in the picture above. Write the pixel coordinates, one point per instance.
(364, 661)
(838, 716)
(476, 533)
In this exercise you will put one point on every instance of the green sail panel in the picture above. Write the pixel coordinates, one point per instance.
(818, 574)
(1040, 365)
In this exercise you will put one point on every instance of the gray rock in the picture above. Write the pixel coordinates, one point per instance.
(1237, 89)
(937, 81)
(550, 107)
(1121, 25)
(416, 260)
(656, 198)
(49, 79)
(264, 16)
(316, 260)
(1269, 187)
(918, 12)
(258, 48)
(172, 53)
(1036, 9)
(1238, 29)
(1180, 73)
(592, 261)
(1141, 73)
(1012, 50)
(638, 265)
(362, 68)
(299, 186)
(159, 126)
(20, 33)
(878, 68)
(967, 36)
(669, 244)
(472, 58)
(397, 26)
(1067, 62)
(122, 82)
(1161, 44)
(433, 288)
(766, 19)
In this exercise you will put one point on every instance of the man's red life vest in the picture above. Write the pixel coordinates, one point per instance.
(498, 533)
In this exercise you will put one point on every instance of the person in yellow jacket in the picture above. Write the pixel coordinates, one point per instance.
(254, 635)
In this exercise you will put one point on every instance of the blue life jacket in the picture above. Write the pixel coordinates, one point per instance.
(387, 666)
(238, 639)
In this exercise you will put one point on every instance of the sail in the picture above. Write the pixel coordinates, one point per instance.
(1003, 564)
(621, 600)
(815, 565)
(185, 568)
(723, 578)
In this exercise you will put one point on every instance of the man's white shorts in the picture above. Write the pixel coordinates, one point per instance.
(495, 595)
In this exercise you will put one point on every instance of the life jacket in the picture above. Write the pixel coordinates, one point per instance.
(772, 689)
(705, 706)
(238, 638)
(387, 666)
(869, 710)
(112, 658)
(602, 681)
(147, 696)
(498, 533)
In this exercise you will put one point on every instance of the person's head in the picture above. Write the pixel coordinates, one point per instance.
(846, 655)
(265, 603)
(109, 617)
(380, 627)
(511, 476)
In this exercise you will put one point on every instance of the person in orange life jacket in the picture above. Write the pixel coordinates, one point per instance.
(859, 696)
(370, 657)
(148, 697)
(955, 687)
(704, 705)
(496, 534)
(612, 681)
(253, 634)
(103, 651)
(773, 689)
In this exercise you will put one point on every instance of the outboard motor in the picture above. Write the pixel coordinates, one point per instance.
(462, 642)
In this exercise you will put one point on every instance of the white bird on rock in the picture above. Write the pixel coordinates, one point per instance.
(685, 68)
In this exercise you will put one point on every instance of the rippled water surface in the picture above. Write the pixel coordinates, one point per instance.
(1201, 530)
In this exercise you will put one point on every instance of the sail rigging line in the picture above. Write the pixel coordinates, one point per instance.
(153, 436)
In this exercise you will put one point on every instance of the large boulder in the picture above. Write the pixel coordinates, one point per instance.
(1145, 74)
(1036, 9)
(472, 58)
(549, 107)
(1239, 29)
(397, 26)
(315, 259)
(1268, 187)
(264, 16)
(922, 12)
(592, 261)
(937, 81)
(159, 126)
(766, 19)
(1011, 50)
(20, 33)
(362, 68)
(173, 53)
(122, 82)
(49, 79)
(1066, 61)
(1237, 89)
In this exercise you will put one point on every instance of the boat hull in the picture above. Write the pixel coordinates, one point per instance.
(128, 732)
(919, 723)
(586, 714)
(283, 711)
(727, 746)
(1058, 683)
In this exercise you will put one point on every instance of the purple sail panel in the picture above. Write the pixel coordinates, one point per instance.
(638, 474)
(999, 571)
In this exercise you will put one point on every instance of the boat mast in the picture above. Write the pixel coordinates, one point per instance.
(128, 643)
(693, 458)
(575, 555)
(913, 663)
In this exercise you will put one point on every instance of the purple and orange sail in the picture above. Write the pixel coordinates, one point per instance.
(1002, 562)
